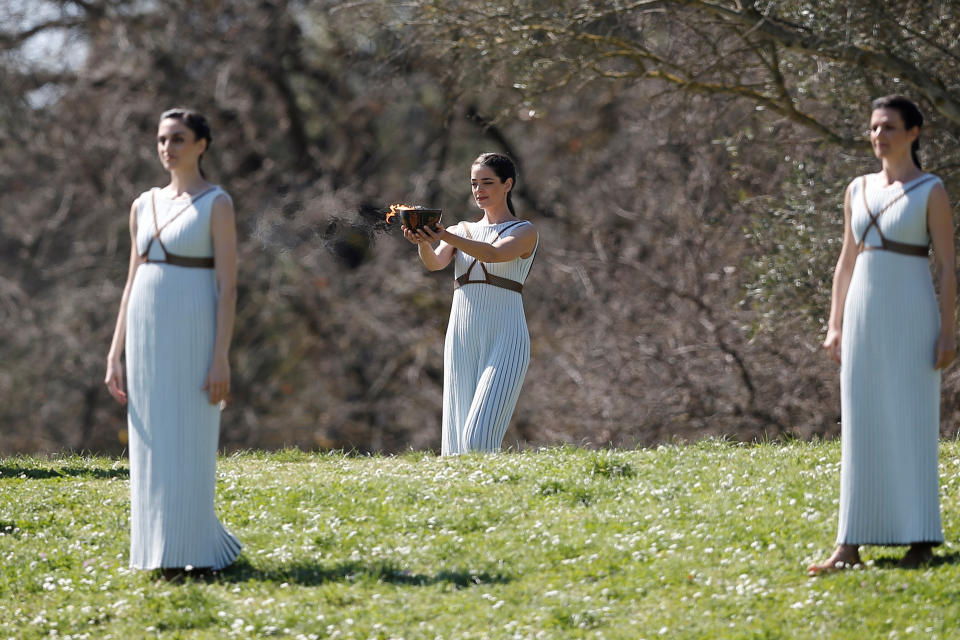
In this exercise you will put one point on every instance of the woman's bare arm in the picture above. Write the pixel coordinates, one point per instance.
(433, 259)
(940, 224)
(223, 229)
(115, 381)
(518, 245)
(841, 283)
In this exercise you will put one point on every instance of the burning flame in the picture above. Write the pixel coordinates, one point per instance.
(397, 207)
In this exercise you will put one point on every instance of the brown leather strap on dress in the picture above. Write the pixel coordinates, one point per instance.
(172, 258)
(920, 250)
(890, 245)
(176, 260)
(188, 261)
(488, 278)
(509, 226)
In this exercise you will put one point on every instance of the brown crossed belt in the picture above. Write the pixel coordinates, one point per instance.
(172, 258)
(488, 278)
(890, 245)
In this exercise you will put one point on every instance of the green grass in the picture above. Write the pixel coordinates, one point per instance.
(701, 541)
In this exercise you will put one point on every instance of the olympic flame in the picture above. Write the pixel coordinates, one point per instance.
(394, 208)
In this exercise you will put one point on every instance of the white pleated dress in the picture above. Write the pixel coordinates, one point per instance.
(173, 428)
(487, 348)
(890, 391)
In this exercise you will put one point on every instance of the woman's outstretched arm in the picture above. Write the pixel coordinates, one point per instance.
(518, 245)
(433, 259)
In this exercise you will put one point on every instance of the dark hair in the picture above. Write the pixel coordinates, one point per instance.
(504, 167)
(195, 122)
(910, 114)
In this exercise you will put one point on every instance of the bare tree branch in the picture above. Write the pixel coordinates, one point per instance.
(10, 40)
(782, 104)
(797, 39)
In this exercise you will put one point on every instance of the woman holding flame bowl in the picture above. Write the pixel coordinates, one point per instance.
(487, 348)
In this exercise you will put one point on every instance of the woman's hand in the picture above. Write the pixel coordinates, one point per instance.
(114, 380)
(412, 236)
(433, 259)
(832, 344)
(423, 234)
(218, 381)
(946, 350)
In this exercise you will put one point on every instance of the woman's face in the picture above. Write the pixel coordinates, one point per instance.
(177, 145)
(888, 136)
(488, 190)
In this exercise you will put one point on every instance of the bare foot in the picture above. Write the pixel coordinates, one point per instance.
(917, 556)
(844, 557)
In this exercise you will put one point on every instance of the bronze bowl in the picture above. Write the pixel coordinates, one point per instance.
(419, 217)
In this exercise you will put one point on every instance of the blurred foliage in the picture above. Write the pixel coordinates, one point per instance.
(801, 242)
(684, 162)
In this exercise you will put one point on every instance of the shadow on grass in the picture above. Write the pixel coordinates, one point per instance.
(62, 472)
(316, 573)
(10, 528)
(939, 560)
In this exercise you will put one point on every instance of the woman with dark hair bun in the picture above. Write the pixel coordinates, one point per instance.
(487, 349)
(892, 341)
(175, 323)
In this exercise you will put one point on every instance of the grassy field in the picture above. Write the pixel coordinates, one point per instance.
(697, 541)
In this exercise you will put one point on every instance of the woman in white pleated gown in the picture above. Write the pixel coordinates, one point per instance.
(487, 348)
(175, 323)
(892, 339)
